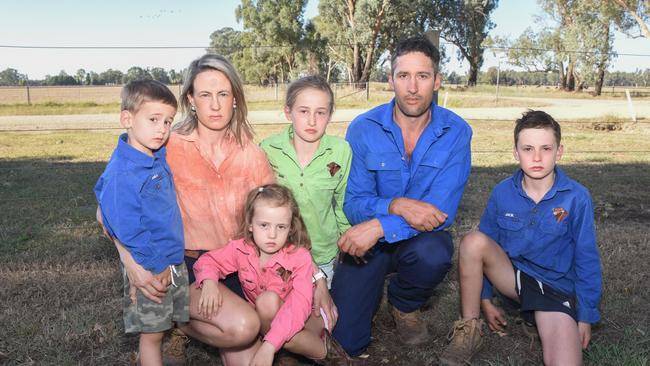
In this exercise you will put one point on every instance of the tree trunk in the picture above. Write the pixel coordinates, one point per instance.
(473, 74)
(604, 58)
(562, 76)
(599, 81)
(356, 63)
(370, 49)
(570, 77)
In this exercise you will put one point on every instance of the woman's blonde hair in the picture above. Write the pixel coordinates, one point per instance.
(278, 196)
(239, 126)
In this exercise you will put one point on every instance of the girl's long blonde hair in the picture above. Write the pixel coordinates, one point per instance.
(278, 196)
(239, 126)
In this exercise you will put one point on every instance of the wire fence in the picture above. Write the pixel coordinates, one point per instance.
(105, 94)
(367, 91)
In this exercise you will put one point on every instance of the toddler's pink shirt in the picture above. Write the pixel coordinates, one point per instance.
(296, 289)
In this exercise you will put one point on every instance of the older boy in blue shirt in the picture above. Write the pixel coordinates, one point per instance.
(537, 245)
(138, 205)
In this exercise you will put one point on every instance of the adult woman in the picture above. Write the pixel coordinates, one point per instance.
(214, 164)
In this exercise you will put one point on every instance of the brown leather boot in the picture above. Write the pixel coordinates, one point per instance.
(173, 348)
(411, 328)
(465, 342)
(336, 355)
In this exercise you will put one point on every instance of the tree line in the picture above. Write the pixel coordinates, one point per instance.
(11, 77)
(350, 41)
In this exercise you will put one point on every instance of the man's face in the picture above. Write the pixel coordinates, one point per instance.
(414, 81)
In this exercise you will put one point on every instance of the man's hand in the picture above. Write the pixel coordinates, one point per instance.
(358, 239)
(422, 216)
(494, 316)
(323, 300)
(584, 329)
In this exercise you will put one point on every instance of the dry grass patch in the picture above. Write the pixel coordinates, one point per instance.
(61, 279)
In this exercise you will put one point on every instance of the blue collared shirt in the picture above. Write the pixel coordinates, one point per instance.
(554, 241)
(138, 203)
(436, 172)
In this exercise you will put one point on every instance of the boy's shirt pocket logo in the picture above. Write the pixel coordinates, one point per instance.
(560, 214)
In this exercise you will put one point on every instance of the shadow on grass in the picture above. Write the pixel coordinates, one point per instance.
(62, 288)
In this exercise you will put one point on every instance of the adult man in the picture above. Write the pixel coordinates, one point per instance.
(411, 160)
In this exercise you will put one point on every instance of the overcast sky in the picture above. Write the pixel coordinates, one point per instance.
(180, 23)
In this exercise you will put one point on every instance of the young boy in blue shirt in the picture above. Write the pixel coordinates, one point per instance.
(536, 244)
(138, 205)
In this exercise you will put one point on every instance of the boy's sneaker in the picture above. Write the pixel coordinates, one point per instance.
(465, 342)
(173, 348)
(411, 328)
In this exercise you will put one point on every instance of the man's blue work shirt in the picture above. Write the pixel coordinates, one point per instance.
(554, 241)
(436, 172)
(138, 203)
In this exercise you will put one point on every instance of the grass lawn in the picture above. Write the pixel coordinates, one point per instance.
(61, 283)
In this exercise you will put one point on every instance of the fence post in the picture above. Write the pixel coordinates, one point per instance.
(630, 106)
(276, 90)
(29, 99)
(367, 91)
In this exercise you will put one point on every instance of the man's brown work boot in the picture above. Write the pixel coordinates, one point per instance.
(465, 342)
(336, 355)
(173, 348)
(411, 328)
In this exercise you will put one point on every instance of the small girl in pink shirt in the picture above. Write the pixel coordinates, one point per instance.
(275, 269)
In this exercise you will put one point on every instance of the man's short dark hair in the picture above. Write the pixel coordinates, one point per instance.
(416, 44)
(537, 119)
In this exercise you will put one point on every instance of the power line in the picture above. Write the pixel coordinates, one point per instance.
(233, 48)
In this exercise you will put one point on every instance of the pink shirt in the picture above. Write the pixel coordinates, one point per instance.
(296, 289)
(212, 198)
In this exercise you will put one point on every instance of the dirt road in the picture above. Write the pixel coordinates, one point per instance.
(561, 109)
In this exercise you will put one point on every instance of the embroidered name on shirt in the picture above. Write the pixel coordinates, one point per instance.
(560, 214)
(509, 214)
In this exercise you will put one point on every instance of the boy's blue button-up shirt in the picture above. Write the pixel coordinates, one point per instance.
(553, 241)
(436, 172)
(138, 203)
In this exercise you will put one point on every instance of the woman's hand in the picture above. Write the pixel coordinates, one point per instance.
(494, 316)
(264, 355)
(323, 300)
(211, 299)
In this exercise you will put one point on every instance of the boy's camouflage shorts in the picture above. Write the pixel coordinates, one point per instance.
(145, 316)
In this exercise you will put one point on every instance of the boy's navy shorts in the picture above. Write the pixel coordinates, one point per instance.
(537, 296)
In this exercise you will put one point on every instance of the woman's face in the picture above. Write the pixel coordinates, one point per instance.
(213, 100)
